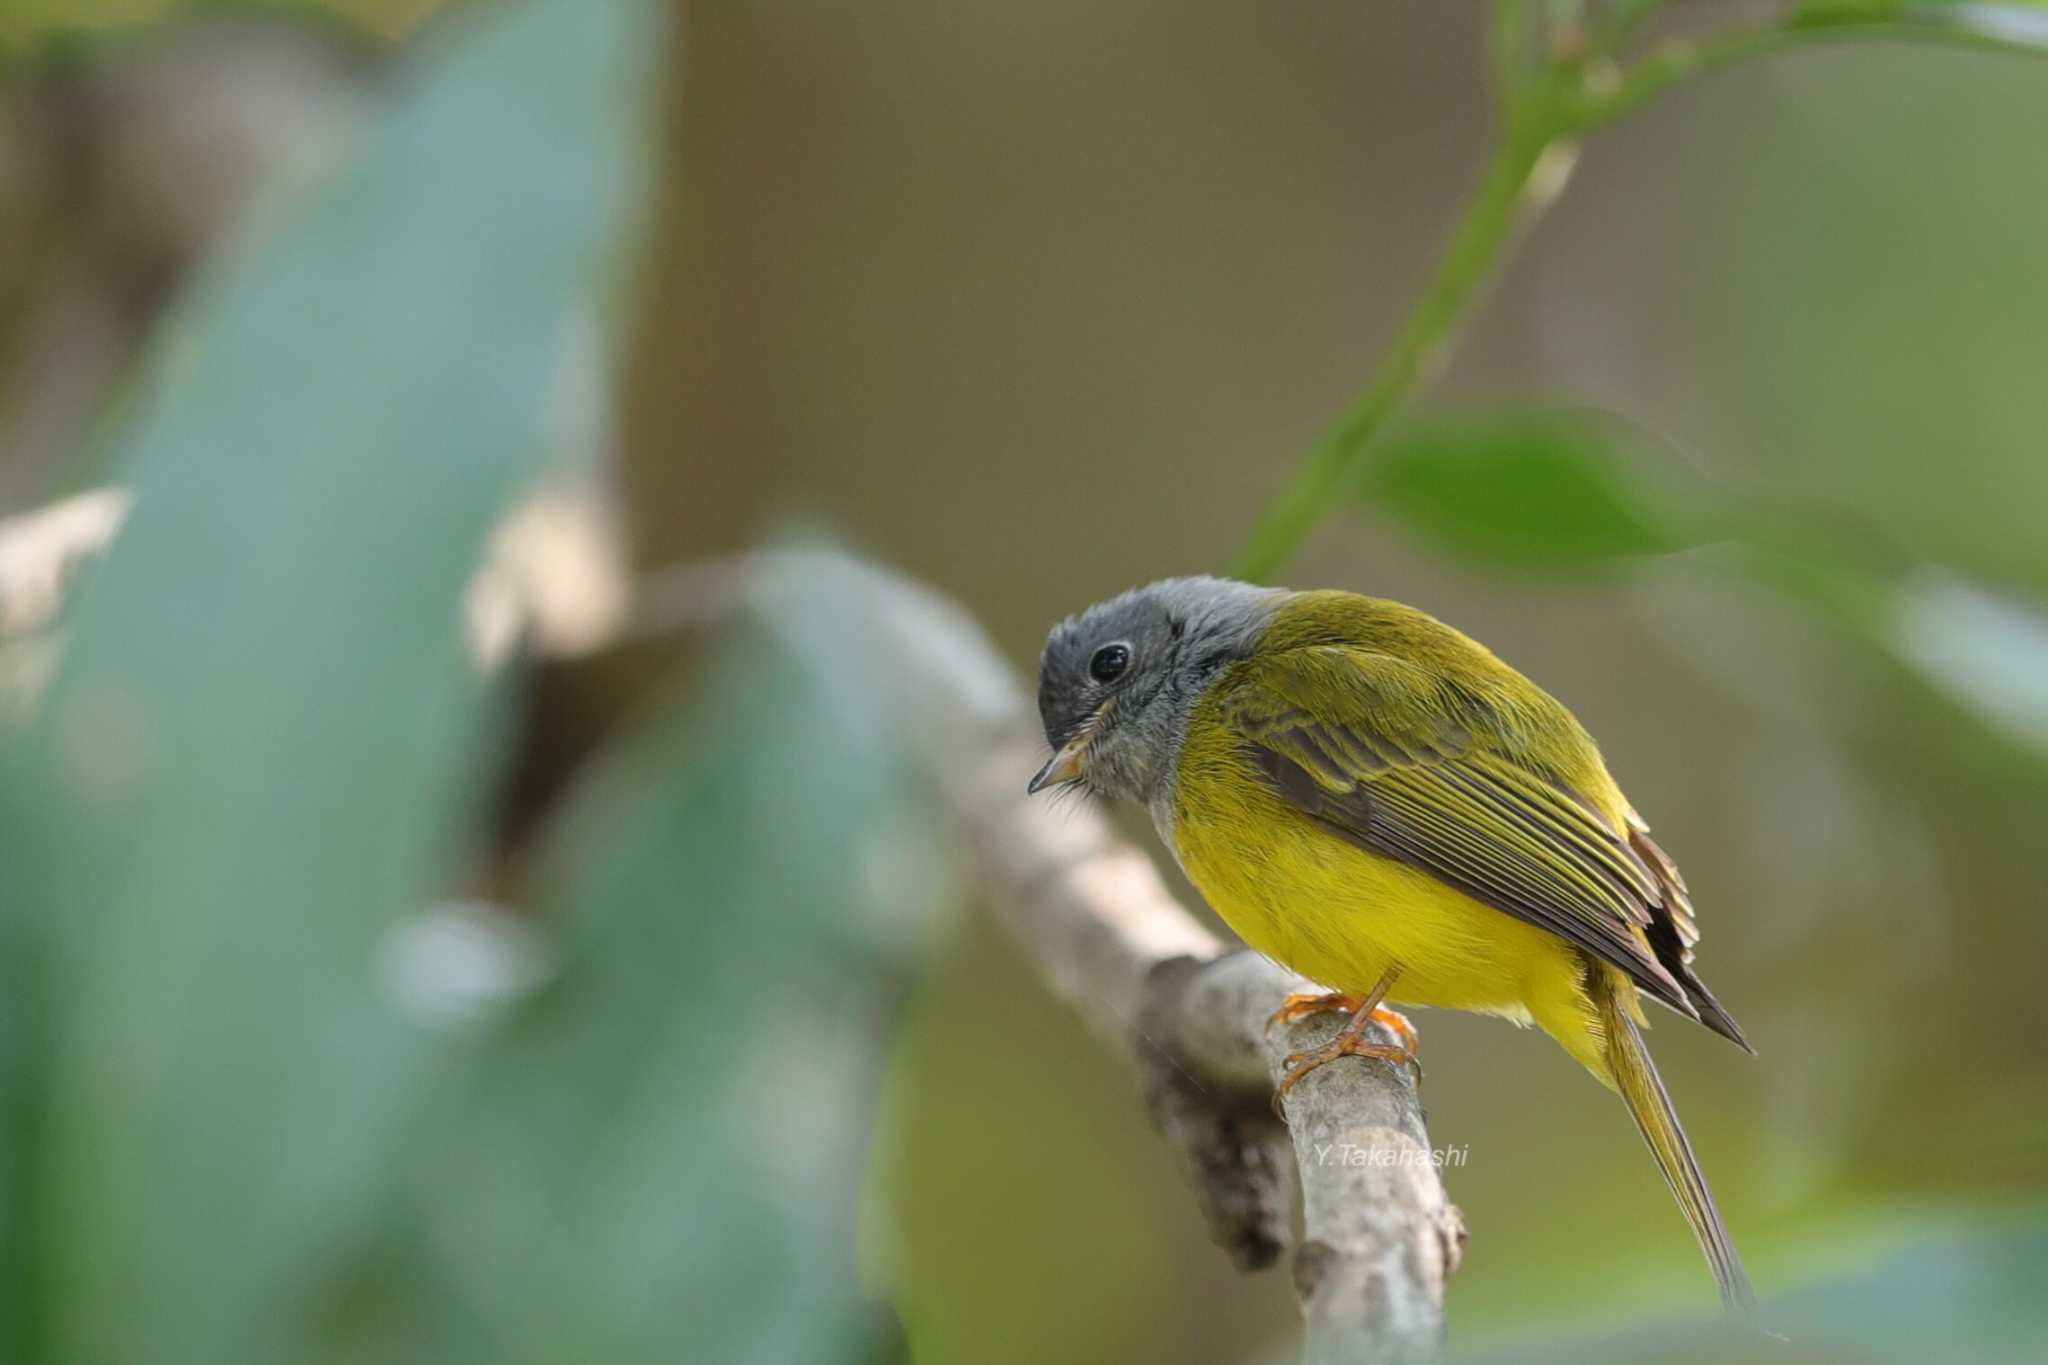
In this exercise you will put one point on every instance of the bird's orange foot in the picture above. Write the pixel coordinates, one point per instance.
(1397, 1024)
(1307, 1003)
(1346, 1044)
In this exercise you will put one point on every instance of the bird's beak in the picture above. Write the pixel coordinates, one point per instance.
(1064, 766)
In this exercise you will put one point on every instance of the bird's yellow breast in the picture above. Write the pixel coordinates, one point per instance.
(1342, 915)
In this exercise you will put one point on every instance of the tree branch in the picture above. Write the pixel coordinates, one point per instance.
(1378, 1240)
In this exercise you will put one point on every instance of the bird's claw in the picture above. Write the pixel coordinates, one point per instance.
(1303, 1004)
(1348, 1044)
(1397, 1024)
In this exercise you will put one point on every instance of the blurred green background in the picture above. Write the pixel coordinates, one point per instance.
(1038, 302)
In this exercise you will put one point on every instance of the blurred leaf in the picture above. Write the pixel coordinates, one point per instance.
(257, 753)
(1956, 1292)
(26, 24)
(1551, 493)
(661, 1159)
(1527, 491)
(2021, 25)
(1987, 652)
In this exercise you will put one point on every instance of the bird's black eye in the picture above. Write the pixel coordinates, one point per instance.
(1109, 663)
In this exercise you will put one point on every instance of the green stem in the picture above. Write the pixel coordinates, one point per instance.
(1508, 42)
(1496, 209)
(1680, 60)
(1555, 107)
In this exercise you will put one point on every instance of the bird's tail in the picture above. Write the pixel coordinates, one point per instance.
(1635, 1076)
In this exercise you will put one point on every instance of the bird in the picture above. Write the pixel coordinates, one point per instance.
(1378, 802)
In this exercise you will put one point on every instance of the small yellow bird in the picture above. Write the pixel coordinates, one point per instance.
(1374, 800)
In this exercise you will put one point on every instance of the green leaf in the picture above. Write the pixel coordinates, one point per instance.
(261, 747)
(661, 1159)
(1988, 653)
(2008, 24)
(1539, 491)
(1549, 493)
(1950, 1289)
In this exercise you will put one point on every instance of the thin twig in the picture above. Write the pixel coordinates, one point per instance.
(1577, 87)
(1681, 58)
(1501, 204)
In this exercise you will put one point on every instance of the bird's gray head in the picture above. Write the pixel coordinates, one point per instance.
(1116, 683)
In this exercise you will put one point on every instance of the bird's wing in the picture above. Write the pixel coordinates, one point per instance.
(1385, 756)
